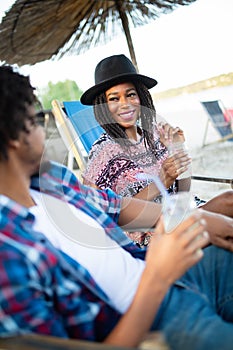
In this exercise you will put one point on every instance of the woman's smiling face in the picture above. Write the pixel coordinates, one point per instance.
(124, 104)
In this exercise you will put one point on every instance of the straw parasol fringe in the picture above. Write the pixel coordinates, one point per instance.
(36, 30)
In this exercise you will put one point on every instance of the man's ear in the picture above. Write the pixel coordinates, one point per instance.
(14, 144)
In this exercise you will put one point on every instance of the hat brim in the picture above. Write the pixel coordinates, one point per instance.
(89, 95)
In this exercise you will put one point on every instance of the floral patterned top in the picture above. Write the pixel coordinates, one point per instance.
(111, 165)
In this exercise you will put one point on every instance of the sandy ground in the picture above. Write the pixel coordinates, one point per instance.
(214, 160)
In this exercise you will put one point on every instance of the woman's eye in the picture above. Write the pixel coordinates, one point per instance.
(113, 99)
(132, 94)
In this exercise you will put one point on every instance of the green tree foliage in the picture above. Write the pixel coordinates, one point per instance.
(62, 91)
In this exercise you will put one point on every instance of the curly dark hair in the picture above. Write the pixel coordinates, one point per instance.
(16, 94)
(147, 117)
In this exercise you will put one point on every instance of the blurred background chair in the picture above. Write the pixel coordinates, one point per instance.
(220, 118)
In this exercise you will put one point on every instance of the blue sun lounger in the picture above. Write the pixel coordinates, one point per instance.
(220, 118)
(78, 128)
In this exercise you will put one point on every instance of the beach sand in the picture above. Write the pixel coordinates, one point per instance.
(213, 160)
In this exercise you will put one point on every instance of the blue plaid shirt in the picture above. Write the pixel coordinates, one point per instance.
(42, 289)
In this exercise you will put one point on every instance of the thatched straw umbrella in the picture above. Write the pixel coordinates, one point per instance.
(36, 30)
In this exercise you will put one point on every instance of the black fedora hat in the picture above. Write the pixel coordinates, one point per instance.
(111, 71)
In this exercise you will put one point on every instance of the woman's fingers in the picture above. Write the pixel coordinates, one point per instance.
(168, 132)
(181, 160)
(176, 165)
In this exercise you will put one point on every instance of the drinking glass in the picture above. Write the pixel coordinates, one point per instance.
(175, 147)
(177, 208)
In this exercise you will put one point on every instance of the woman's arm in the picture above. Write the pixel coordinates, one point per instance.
(137, 214)
(149, 193)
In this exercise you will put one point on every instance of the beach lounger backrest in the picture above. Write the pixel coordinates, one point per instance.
(84, 122)
(78, 128)
(220, 119)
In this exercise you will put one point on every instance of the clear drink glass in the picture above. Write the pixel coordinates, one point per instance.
(177, 208)
(175, 147)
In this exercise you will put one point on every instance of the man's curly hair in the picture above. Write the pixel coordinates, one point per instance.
(147, 117)
(16, 94)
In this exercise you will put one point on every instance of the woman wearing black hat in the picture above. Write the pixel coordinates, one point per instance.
(132, 143)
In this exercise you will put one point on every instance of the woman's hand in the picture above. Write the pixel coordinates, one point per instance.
(169, 256)
(169, 134)
(173, 166)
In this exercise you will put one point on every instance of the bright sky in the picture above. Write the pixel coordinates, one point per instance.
(190, 44)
